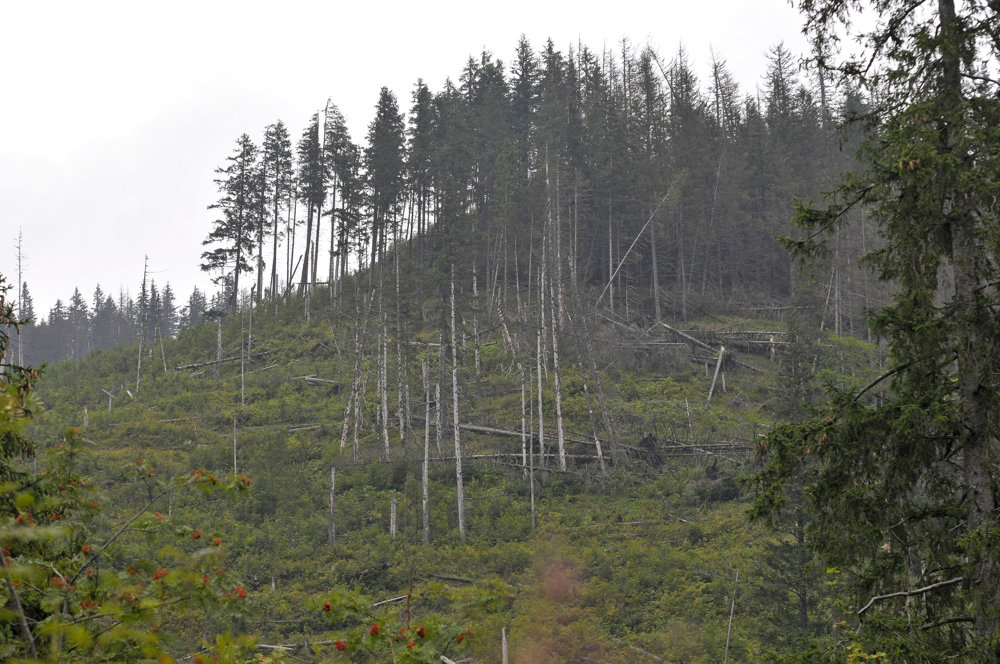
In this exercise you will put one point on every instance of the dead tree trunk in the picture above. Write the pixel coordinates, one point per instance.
(392, 518)
(715, 376)
(383, 362)
(360, 331)
(454, 394)
(541, 419)
(475, 323)
(142, 330)
(425, 372)
(331, 528)
(439, 420)
(555, 375)
(593, 426)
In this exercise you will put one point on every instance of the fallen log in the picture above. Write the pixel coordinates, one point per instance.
(234, 358)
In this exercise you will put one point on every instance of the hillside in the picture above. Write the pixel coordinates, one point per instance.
(554, 322)
(635, 556)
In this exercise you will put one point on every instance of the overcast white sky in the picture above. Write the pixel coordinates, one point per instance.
(114, 115)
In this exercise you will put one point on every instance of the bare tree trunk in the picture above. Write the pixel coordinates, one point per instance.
(402, 380)
(454, 399)
(557, 235)
(611, 263)
(218, 348)
(593, 425)
(556, 384)
(524, 433)
(360, 331)
(243, 364)
(142, 329)
(359, 405)
(427, 446)
(656, 273)
(331, 527)
(541, 419)
(234, 442)
(732, 610)
(715, 376)
(531, 460)
(382, 389)
(291, 222)
(682, 271)
(475, 321)
(392, 518)
(439, 421)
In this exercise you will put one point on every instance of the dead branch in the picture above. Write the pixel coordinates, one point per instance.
(688, 337)
(446, 577)
(398, 598)
(313, 380)
(910, 593)
(234, 358)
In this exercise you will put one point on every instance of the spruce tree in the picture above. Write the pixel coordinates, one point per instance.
(902, 473)
(239, 188)
(278, 173)
(384, 167)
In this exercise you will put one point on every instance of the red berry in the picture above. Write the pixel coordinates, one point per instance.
(374, 630)
(341, 646)
(86, 549)
(217, 542)
(326, 606)
(420, 631)
(411, 644)
(196, 534)
(241, 592)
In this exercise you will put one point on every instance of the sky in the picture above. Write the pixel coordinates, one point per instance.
(115, 115)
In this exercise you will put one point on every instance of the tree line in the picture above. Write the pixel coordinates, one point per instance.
(668, 194)
(74, 328)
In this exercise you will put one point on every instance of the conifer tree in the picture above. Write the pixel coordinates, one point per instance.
(384, 167)
(902, 473)
(419, 156)
(276, 165)
(239, 185)
(312, 190)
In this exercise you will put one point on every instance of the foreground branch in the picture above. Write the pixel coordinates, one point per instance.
(910, 593)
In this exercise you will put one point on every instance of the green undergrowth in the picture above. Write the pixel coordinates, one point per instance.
(641, 558)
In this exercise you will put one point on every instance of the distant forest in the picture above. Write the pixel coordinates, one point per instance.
(667, 196)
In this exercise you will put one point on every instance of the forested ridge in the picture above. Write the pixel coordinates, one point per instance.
(506, 382)
(665, 193)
